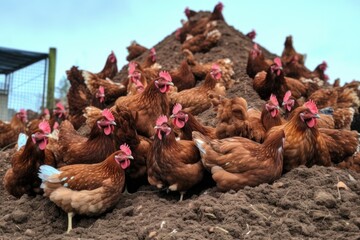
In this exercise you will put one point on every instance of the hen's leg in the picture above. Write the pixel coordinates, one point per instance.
(181, 196)
(70, 216)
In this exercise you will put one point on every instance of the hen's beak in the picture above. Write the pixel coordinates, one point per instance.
(130, 157)
(156, 127)
(172, 116)
(113, 123)
(316, 116)
(170, 83)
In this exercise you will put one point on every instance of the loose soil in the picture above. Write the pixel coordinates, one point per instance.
(303, 204)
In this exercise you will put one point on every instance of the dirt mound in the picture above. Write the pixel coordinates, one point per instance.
(304, 203)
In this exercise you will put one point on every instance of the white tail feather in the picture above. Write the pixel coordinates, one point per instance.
(45, 172)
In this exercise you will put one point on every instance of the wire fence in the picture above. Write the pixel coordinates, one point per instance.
(24, 88)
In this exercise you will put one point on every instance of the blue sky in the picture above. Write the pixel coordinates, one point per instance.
(84, 32)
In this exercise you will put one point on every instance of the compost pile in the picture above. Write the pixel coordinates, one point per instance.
(311, 203)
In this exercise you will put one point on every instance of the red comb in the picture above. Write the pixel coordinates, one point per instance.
(311, 106)
(132, 66)
(220, 5)
(177, 108)
(277, 61)
(187, 11)
(46, 111)
(23, 111)
(165, 75)
(287, 96)
(215, 67)
(59, 105)
(162, 119)
(126, 149)
(153, 51)
(101, 90)
(274, 100)
(45, 127)
(108, 114)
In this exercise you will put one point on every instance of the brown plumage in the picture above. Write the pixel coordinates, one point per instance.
(138, 78)
(78, 96)
(235, 119)
(325, 97)
(352, 163)
(256, 62)
(136, 174)
(195, 26)
(76, 149)
(200, 70)
(341, 143)
(187, 123)
(173, 164)
(112, 89)
(135, 50)
(150, 59)
(110, 69)
(86, 189)
(289, 52)
(9, 132)
(148, 105)
(343, 118)
(238, 162)
(202, 42)
(326, 121)
(270, 115)
(182, 77)
(304, 145)
(196, 100)
(274, 81)
(22, 177)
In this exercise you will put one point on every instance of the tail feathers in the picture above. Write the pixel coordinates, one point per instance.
(200, 140)
(45, 174)
(21, 140)
(89, 78)
(327, 110)
(75, 77)
(91, 114)
(199, 143)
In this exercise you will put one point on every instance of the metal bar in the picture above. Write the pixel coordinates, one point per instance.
(51, 79)
(44, 85)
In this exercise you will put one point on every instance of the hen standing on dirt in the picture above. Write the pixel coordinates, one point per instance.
(21, 178)
(173, 164)
(88, 189)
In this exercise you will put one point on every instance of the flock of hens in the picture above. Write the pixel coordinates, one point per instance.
(118, 134)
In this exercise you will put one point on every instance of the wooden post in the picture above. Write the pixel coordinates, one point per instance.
(50, 101)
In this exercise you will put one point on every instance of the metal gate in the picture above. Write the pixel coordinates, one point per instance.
(23, 81)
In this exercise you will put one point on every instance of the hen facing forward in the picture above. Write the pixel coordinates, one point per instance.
(173, 164)
(21, 178)
(75, 148)
(187, 123)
